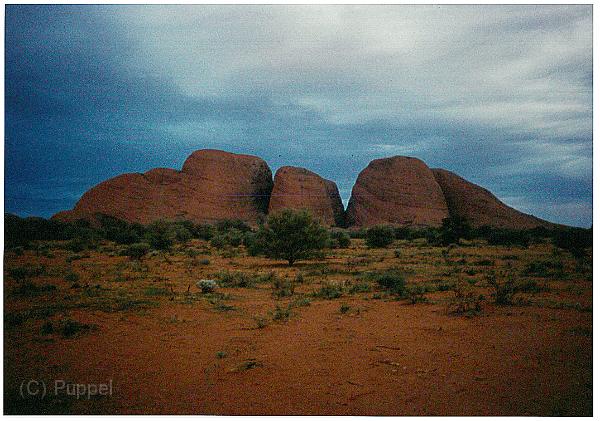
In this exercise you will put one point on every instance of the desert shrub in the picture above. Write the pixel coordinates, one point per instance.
(379, 236)
(218, 241)
(47, 328)
(282, 287)
(18, 251)
(23, 231)
(299, 279)
(235, 279)
(182, 235)
(71, 277)
(203, 231)
(261, 322)
(453, 229)
(507, 237)
(254, 246)
(191, 252)
(402, 233)
(543, 268)
(431, 234)
(391, 280)
(415, 293)
(484, 262)
(344, 308)
(574, 240)
(439, 285)
(503, 290)
(119, 231)
(339, 239)
(357, 233)
(70, 328)
(291, 235)
(160, 235)
(137, 250)
(300, 302)
(234, 237)
(531, 286)
(231, 238)
(77, 245)
(22, 273)
(28, 288)
(360, 287)
(282, 313)
(206, 285)
(466, 300)
(329, 291)
(228, 224)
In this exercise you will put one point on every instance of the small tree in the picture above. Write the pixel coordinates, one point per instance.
(291, 235)
(340, 239)
(453, 229)
(137, 250)
(380, 236)
(160, 235)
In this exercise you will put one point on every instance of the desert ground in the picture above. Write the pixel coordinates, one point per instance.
(319, 337)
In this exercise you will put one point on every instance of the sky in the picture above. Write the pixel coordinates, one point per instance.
(501, 95)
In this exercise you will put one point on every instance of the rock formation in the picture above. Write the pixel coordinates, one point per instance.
(299, 188)
(212, 185)
(215, 185)
(480, 207)
(397, 190)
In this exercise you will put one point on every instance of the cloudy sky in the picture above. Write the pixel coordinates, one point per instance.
(501, 95)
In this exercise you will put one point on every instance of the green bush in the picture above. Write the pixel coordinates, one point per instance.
(453, 229)
(391, 280)
(234, 237)
(119, 231)
(137, 250)
(543, 268)
(329, 291)
(507, 237)
(415, 293)
(574, 240)
(236, 279)
(379, 236)
(229, 224)
(360, 287)
(22, 273)
(71, 277)
(291, 235)
(357, 233)
(282, 313)
(282, 287)
(182, 235)
(503, 290)
(466, 300)
(218, 241)
(340, 239)
(70, 328)
(204, 231)
(160, 235)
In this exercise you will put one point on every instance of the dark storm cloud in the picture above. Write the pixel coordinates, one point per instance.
(500, 95)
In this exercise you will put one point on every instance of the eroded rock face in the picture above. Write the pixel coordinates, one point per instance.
(212, 185)
(299, 188)
(398, 190)
(480, 207)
